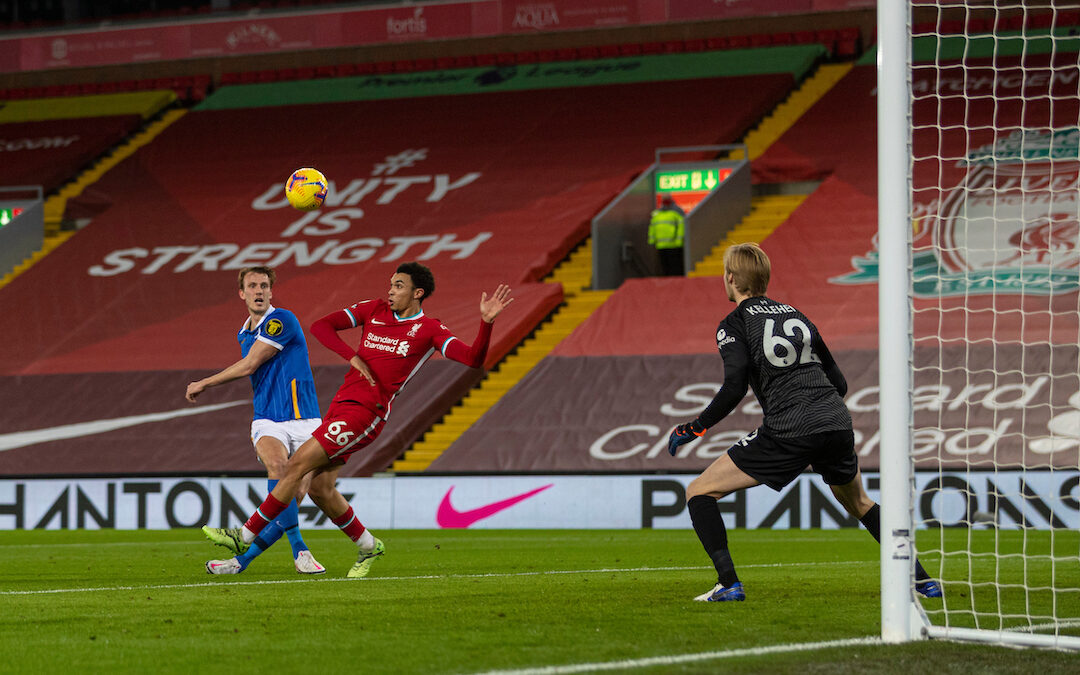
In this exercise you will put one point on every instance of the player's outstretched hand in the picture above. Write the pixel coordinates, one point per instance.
(358, 363)
(193, 390)
(499, 300)
(682, 434)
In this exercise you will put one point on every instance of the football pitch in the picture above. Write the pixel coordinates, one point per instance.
(456, 601)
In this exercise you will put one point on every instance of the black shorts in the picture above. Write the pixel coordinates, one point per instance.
(778, 461)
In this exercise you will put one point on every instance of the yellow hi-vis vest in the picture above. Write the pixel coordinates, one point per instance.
(666, 228)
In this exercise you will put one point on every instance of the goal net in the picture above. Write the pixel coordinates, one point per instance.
(992, 258)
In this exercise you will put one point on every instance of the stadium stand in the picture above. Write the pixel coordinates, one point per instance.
(144, 293)
(824, 262)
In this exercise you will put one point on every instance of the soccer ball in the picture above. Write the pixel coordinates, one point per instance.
(306, 189)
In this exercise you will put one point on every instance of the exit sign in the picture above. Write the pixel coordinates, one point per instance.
(698, 180)
(7, 215)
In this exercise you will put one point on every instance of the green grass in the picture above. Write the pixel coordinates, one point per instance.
(458, 602)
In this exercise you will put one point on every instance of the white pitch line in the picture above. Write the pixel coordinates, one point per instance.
(488, 575)
(685, 658)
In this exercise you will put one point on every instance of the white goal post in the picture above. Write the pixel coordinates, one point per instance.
(979, 318)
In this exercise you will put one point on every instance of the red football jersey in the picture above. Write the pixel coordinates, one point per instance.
(394, 349)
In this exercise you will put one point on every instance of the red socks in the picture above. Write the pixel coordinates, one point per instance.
(266, 513)
(350, 525)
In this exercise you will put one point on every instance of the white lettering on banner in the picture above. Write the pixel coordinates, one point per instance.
(227, 256)
(415, 25)
(936, 396)
(43, 143)
(1016, 499)
(538, 16)
(607, 447)
(357, 189)
(1031, 80)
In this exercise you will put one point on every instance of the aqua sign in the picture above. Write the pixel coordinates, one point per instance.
(7, 215)
(699, 180)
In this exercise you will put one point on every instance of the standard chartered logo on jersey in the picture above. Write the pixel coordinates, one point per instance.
(1010, 226)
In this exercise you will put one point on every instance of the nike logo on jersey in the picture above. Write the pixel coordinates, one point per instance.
(21, 439)
(377, 322)
(449, 517)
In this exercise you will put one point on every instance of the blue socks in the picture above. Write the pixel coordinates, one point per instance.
(287, 522)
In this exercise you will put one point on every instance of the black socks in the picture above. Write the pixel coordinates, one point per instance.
(709, 526)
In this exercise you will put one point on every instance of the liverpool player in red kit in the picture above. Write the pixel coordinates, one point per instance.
(397, 339)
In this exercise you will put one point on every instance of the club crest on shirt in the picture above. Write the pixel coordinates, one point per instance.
(414, 329)
(274, 327)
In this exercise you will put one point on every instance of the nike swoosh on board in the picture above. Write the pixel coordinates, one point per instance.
(21, 439)
(449, 517)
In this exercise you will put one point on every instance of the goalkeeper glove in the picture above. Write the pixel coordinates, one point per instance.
(684, 433)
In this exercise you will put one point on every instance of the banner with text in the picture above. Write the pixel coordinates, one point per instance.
(1006, 500)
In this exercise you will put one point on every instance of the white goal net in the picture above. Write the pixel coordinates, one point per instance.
(993, 272)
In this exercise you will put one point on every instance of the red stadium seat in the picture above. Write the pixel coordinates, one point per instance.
(673, 47)
(286, 74)
(424, 64)
(547, 55)
(803, 37)
(566, 54)
(652, 47)
(783, 38)
(609, 51)
(588, 52)
(230, 78)
(444, 62)
(630, 49)
(761, 40)
(467, 61)
(739, 41)
(506, 59)
(89, 88)
(528, 57)
(404, 66)
(364, 69)
(383, 67)
(344, 70)
(486, 60)
(264, 76)
(305, 73)
(846, 49)
(1068, 18)
(714, 43)
(325, 71)
(1040, 20)
(694, 45)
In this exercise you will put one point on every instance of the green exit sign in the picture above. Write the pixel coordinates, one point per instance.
(7, 215)
(690, 181)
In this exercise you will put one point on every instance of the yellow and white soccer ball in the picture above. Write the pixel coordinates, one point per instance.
(306, 189)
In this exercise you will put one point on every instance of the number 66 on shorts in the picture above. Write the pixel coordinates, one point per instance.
(347, 428)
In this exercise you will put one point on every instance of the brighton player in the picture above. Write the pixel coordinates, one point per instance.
(275, 355)
(773, 348)
(397, 339)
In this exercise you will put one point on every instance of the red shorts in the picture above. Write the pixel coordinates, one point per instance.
(346, 428)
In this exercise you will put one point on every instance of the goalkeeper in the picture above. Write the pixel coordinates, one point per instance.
(774, 349)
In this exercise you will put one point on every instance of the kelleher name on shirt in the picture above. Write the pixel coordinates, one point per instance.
(770, 309)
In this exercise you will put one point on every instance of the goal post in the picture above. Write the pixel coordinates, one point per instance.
(894, 322)
(979, 319)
